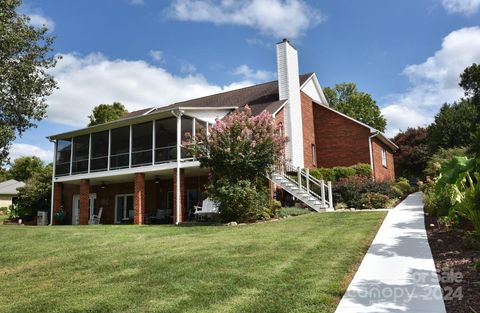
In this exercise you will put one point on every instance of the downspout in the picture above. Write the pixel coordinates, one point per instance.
(53, 180)
(178, 114)
(371, 152)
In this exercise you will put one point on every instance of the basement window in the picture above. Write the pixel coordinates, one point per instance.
(384, 157)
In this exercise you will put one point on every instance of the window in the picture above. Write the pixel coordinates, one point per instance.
(384, 157)
(165, 140)
(99, 153)
(80, 154)
(187, 127)
(314, 155)
(142, 144)
(120, 145)
(62, 160)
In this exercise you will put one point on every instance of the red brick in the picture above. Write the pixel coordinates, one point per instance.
(84, 199)
(57, 199)
(308, 124)
(139, 198)
(182, 195)
(380, 172)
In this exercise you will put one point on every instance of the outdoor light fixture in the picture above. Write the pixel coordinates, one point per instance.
(103, 185)
(157, 180)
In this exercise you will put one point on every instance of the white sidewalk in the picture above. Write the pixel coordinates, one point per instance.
(398, 273)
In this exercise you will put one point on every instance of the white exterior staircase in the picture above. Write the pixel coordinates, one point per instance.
(299, 183)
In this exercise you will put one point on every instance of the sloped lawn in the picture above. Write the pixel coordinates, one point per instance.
(302, 264)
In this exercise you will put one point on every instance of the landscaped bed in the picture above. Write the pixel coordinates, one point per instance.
(298, 264)
(461, 286)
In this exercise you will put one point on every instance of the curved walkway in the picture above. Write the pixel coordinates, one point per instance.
(398, 273)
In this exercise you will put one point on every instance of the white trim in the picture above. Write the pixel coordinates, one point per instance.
(89, 151)
(370, 148)
(109, 148)
(318, 87)
(53, 181)
(129, 171)
(153, 141)
(280, 108)
(71, 155)
(208, 108)
(130, 143)
(178, 114)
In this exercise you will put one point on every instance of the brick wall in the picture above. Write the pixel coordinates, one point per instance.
(139, 198)
(181, 182)
(57, 198)
(339, 140)
(380, 172)
(308, 130)
(84, 198)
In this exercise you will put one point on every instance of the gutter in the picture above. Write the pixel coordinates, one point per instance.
(371, 152)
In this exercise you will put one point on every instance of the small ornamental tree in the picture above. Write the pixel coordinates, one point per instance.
(239, 150)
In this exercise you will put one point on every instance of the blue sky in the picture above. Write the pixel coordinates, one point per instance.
(406, 53)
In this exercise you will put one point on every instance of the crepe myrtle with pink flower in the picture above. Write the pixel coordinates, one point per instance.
(239, 150)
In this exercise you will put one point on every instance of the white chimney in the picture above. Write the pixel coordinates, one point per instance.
(289, 89)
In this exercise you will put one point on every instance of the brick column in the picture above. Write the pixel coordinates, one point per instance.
(57, 199)
(84, 197)
(182, 194)
(139, 198)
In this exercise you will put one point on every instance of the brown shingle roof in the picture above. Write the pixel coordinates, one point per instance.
(256, 94)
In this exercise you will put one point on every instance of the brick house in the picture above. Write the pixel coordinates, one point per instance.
(136, 165)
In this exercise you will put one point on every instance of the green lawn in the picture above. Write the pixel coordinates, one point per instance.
(302, 264)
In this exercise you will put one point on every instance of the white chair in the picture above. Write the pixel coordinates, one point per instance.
(95, 219)
(207, 209)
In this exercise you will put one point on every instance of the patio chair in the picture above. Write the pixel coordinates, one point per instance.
(208, 209)
(95, 219)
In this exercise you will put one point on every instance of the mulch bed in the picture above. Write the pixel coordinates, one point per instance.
(461, 287)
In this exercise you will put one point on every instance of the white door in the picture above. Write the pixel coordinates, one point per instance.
(92, 199)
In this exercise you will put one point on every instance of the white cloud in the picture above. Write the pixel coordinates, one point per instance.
(434, 81)
(280, 18)
(22, 149)
(86, 81)
(467, 7)
(157, 55)
(187, 68)
(39, 20)
(249, 74)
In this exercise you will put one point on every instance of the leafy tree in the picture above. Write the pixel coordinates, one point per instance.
(4, 175)
(470, 82)
(104, 113)
(36, 194)
(359, 105)
(25, 167)
(412, 155)
(24, 81)
(239, 150)
(453, 126)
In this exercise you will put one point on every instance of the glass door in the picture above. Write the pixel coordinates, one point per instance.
(124, 212)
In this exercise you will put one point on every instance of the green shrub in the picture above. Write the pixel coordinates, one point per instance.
(239, 201)
(363, 169)
(440, 157)
(436, 204)
(4, 210)
(336, 173)
(477, 266)
(471, 241)
(341, 206)
(351, 189)
(272, 209)
(293, 211)
(373, 200)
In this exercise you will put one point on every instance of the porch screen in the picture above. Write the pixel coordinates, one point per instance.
(142, 144)
(80, 154)
(62, 160)
(165, 140)
(119, 154)
(99, 156)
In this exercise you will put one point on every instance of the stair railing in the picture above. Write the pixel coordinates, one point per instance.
(306, 182)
